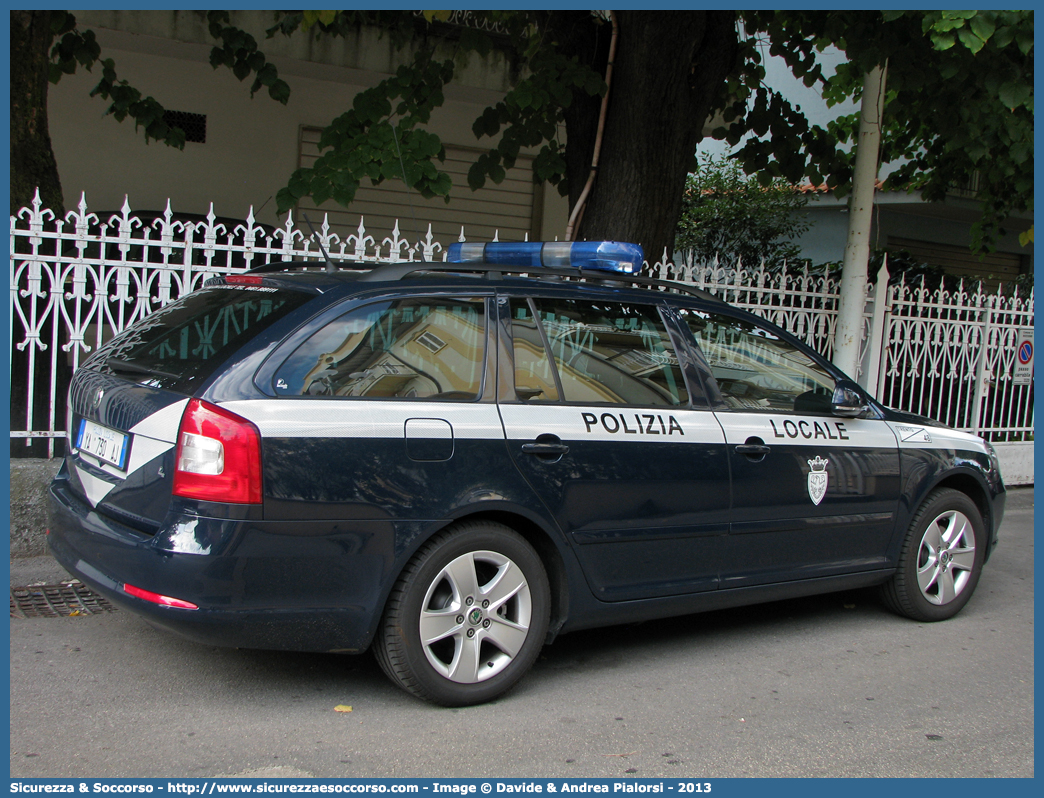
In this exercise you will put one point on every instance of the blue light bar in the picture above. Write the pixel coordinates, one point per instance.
(608, 256)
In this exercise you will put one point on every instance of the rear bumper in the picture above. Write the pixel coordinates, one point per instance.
(302, 587)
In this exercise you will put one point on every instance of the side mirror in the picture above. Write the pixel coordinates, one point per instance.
(848, 402)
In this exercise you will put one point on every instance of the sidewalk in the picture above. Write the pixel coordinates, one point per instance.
(1018, 499)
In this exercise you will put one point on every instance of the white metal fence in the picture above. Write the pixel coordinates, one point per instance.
(950, 354)
(803, 303)
(78, 280)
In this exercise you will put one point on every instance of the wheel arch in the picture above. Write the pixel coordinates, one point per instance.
(550, 555)
(559, 564)
(970, 486)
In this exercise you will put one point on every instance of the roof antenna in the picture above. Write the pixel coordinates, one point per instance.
(329, 263)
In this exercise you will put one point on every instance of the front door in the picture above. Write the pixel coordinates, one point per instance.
(814, 494)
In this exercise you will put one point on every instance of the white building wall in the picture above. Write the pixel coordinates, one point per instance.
(904, 216)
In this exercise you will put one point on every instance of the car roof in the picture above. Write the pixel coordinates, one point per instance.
(318, 277)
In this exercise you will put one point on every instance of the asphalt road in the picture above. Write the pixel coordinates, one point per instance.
(826, 686)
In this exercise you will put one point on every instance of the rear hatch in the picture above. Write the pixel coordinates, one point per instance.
(127, 401)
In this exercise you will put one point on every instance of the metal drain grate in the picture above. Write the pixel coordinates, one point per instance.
(56, 601)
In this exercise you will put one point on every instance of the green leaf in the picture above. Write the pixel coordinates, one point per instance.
(300, 183)
(443, 185)
(943, 41)
(948, 23)
(279, 91)
(1015, 94)
(1004, 37)
(344, 194)
(983, 26)
(970, 40)
(429, 144)
(593, 84)
(267, 75)
(284, 200)
(1024, 39)
(321, 193)
(476, 176)
(1020, 152)
(976, 151)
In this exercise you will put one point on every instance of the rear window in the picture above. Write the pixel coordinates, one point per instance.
(180, 345)
(410, 348)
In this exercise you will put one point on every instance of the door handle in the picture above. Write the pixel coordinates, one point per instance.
(545, 448)
(754, 449)
(749, 449)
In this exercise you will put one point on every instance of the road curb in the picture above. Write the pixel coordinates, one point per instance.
(30, 479)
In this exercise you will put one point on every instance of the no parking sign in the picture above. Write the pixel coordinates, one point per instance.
(1024, 358)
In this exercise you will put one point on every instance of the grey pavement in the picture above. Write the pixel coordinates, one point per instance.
(43, 570)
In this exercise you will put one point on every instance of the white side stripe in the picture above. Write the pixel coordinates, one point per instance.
(912, 436)
(812, 431)
(601, 423)
(353, 418)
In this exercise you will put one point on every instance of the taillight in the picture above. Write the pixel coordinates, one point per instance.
(218, 458)
(243, 279)
(156, 598)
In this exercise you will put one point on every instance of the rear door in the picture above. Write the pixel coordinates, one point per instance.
(379, 411)
(600, 421)
(814, 494)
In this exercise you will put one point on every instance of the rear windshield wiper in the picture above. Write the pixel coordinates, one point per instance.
(117, 364)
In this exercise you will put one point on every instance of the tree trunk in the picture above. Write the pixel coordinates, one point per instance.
(32, 159)
(33, 166)
(668, 66)
(849, 332)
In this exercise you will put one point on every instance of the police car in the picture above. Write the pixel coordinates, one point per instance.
(453, 463)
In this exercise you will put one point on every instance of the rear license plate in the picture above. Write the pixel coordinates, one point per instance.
(106, 444)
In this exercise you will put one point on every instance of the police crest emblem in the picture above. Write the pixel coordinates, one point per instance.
(817, 479)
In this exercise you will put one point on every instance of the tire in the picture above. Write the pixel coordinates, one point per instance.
(941, 559)
(480, 595)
